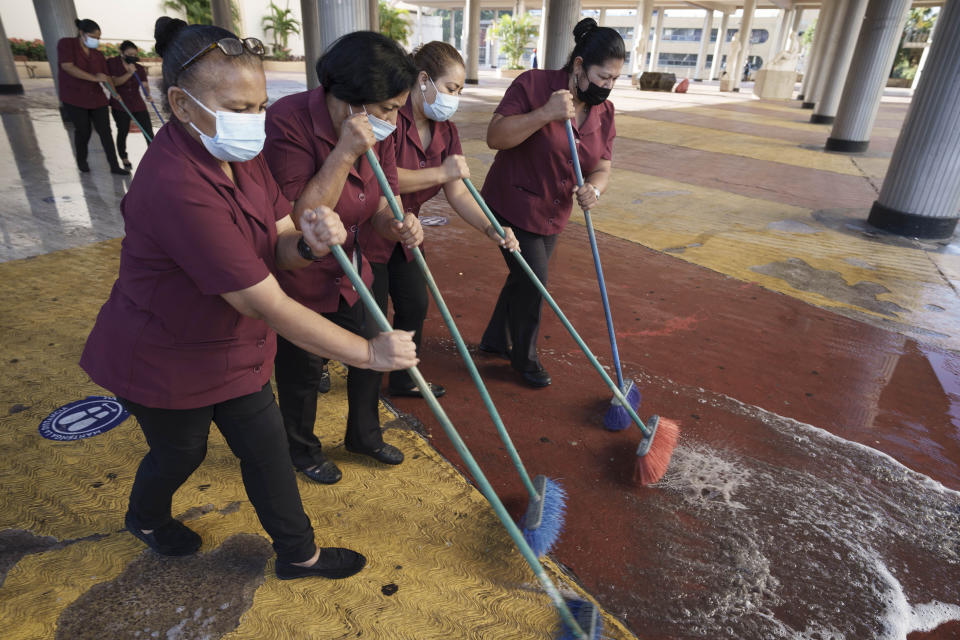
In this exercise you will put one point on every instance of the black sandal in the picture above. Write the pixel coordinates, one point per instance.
(173, 538)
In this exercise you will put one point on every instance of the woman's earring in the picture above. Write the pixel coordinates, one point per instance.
(423, 87)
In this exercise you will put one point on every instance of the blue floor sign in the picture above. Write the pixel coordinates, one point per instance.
(83, 419)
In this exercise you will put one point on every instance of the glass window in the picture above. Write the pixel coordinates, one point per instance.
(757, 36)
(677, 60)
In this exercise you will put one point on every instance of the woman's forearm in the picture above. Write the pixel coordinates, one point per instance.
(466, 207)
(325, 187)
(72, 70)
(506, 132)
(413, 180)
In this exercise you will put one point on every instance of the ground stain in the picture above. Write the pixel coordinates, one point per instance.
(792, 226)
(16, 543)
(830, 284)
(200, 596)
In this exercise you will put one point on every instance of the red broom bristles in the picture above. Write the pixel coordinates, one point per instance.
(651, 467)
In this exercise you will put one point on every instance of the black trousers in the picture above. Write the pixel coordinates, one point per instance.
(253, 429)
(123, 128)
(515, 322)
(298, 380)
(407, 288)
(84, 120)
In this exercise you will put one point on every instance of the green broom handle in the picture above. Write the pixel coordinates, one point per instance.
(120, 100)
(451, 325)
(462, 449)
(566, 323)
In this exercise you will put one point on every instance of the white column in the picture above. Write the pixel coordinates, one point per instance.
(921, 191)
(876, 48)
(603, 18)
(827, 60)
(9, 80)
(312, 49)
(222, 16)
(778, 30)
(519, 8)
(542, 36)
(812, 64)
(795, 28)
(419, 39)
(704, 41)
(341, 17)
(849, 29)
(746, 29)
(373, 15)
(471, 46)
(718, 48)
(923, 58)
(56, 18)
(655, 46)
(641, 36)
(562, 17)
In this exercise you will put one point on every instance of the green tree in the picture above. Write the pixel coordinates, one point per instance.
(807, 38)
(393, 23)
(199, 12)
(513, 36)
(282, 23)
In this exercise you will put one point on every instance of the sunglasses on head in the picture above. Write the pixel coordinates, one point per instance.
(229, 47)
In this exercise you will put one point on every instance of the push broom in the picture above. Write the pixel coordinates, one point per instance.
(581, 618)
(120, 100)
(543, 521)
(155, 110)
(659, 434)
(617, 417)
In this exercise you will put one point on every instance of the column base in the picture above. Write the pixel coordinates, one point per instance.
(816, 118)
(471, 81)
(846, 146)
(11, 89)
(910, 224)
(808, 105)
(698, 79)
(735, 90)
(800, 97)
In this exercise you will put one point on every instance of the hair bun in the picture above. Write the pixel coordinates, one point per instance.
(78, 22)
(584, 28)
(165, 30)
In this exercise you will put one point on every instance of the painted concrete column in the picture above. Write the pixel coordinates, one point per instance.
(829, 100)
(655, 45)
(471, 46)
(341, 17)
(542, 36)
(704, 41)
(820, 37)
(373, 10)
(222, 16)
(641, 36)
(826, 64)
(746, 30)
(519, 8)
(867, 77)
(602, 19)
(923, 58)
(921, 192)
(562, 17)
(9, 80)
(56, 18)
(795, 28)
(310, 27)
(718, 48)
(778, 29)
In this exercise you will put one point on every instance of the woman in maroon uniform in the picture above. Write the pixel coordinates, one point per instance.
(429, 158)
(82, 69)
(122, 69)
(531, 183)
(188, 334)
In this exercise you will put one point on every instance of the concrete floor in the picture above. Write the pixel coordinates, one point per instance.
(811, 359)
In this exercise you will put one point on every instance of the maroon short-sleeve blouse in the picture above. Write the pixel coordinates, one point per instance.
(166, 338)
(80, 93)
(531, 184)
(129, 91)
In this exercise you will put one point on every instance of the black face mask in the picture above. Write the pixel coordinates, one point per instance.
(131, 59)
(593, 94)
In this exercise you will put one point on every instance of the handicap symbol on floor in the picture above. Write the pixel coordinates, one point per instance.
(83, 419)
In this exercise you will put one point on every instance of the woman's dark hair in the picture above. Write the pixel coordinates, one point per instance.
(177, 42)
(595, 45)
(365, 67)
(126, 44)
(436, 57)
(86, 25)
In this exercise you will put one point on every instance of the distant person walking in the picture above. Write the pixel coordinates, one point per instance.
(533, 62)
(122, 69)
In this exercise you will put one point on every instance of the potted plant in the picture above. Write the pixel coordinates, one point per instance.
(393, 22)
(513, 35)
(282, 23)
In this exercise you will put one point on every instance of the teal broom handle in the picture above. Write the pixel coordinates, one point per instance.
(120, 100)
(553, 304)
(462, 450)
(457, 338)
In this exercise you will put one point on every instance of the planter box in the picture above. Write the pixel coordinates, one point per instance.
(902, 83)
(289, 66)
(509, 73)
(27, 69)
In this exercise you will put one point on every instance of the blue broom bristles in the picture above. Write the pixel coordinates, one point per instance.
(543, 522)
(617, 417)
(587, 616)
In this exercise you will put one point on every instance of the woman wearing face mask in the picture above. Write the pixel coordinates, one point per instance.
(429, 158)
(122, 69)
(188, 334)
(316, 141)
(531, 183)
(82, 69)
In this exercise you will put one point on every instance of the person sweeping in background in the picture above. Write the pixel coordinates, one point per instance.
(531, 183)
(429, 158)
(82, 69)
(123, 68)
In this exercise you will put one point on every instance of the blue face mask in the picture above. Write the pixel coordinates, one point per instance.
(90, 42)
(239, 137)
(381, 128)
(443, 107)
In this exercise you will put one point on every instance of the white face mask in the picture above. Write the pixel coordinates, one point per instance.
(381, 128)
(443, 107)
(91, 43)
(240, 136)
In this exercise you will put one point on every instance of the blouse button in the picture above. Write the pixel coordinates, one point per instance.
(261, 343)
(564, 181)
(569, 161)
(336, 280)
(362, 196)
(422, 163)
(556, 202)
(257, 369)
(353, 228)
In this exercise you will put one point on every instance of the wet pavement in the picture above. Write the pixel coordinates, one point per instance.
(811, 360)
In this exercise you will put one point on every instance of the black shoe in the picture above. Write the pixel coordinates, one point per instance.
(387, 454)
(414, 391)
(126, 163)
(334, 563)
(503, 353)
(83, 166)
(170, 539)
(537, 379)
(324, 385)
(119, 171)
(325, 473)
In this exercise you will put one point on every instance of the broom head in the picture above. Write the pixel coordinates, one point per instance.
(653, 454)
(543, 522)
(588, 618)
(617, 418)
